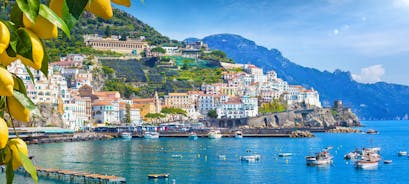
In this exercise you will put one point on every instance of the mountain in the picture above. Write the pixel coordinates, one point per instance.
(370, 101)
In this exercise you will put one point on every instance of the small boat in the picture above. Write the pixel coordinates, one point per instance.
(321, 158)
(250, 158)
(387, 161)
(370, 158)
(402, 153)
(285, 154)
(158, 176)
(366, 164)
(238, 134)
(354, 155)
(151, 135)
(192, 136)
(214, 134)
(371, 131)
(125, 135)
(177, 156)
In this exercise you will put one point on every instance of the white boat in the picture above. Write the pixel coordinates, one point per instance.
(402, 153)
(250, 158)
(214, 134)
(151, 135)
(285, 154)
(372, 131)
(370, 158)
(366, 164)
(238, 134)
(354, 155)
(321, 158)
(387, 161)
(125, 135)
(192, 136)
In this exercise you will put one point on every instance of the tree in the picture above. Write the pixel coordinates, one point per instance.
(159, 50)
(22, 34)
(127, 119)
(108, 32)
(212, 113)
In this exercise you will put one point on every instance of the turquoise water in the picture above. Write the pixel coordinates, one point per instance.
(200, 161)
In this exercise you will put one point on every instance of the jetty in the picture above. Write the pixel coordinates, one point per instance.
(75, 176)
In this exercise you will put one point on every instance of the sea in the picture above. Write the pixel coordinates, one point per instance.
(218, 160)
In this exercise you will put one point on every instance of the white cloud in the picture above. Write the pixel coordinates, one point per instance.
(335, 32)
(401, 3)
(370, 74)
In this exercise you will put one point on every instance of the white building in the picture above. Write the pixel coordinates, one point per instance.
(106, 112)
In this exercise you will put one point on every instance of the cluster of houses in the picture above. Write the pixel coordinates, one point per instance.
(69, 87)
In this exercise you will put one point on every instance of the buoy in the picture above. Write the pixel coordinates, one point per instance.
(198, 155)
(286, 161)
(206, 157)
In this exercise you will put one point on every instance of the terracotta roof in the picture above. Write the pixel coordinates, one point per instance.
(102, 103)
(142, 100)
(177, 94)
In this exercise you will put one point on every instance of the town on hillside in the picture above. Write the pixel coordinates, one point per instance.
(74, 101)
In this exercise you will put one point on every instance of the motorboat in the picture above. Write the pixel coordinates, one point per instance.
(387, 161)
(372, 131)
(214, 134)
(250, 158)
(402, 153)
(370, 158)
(353, 155)
(238, 134)
(151, 135)
(321, 158)
(125, 135)
(285, 154)
(192, 136)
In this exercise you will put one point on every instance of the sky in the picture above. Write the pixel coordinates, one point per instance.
(369, 38)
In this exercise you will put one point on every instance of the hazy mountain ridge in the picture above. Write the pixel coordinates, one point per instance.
(370, 101)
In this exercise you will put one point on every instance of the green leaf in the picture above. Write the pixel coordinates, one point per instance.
(28, 166)
(44, 64)
(30, 74)
(30, 8)
(24, 100)
(76, 7)
(68, 18)
(20, 83)
(50, 15)
(9, 172)
(24, 46)
(16, 15)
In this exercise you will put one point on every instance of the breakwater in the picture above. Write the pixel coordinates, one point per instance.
(66, 138)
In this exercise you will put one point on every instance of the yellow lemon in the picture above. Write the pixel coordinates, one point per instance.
(101, 8)
(4, 37)
(56, 6)
(17, 110)
(37, 52)
(15, 145)
(5, 59)
(126, 3)
(6, 82)
(4, 133)
(42, 27)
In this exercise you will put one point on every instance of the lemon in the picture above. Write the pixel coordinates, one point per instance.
(56, 6)
(15, 145)
(4, 133)
(126, 3)
(5, 59)
(100, 8)
(17, 110)
(4, 37)
(6, 82)
(42, 27)
(37, 52)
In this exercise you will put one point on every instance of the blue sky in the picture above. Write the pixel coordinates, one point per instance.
(370, 38)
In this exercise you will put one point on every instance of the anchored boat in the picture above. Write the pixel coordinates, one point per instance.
(321, 158)
(238, 134)
(214, 134)
(250, 158)
(370, 158)
(151, 135)
(192, 136)
(125, 135)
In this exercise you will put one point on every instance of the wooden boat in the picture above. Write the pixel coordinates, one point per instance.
(151, 135)
(366, 164)
(214, 134)
(370, 158)
(158, 176)
(321, 158)
(125, 135)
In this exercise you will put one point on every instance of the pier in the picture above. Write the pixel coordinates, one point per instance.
(74, 176)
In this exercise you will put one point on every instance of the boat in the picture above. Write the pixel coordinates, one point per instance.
(387, 161)
(250, 158)
(158, 176)
(214, 134)
(353, 155)
(192, 136)
(285, 154)
(321, 158)
(402, 153)
(238, 134)
(371, 131)
(151, 135)
(125, 135)
(370, 158)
